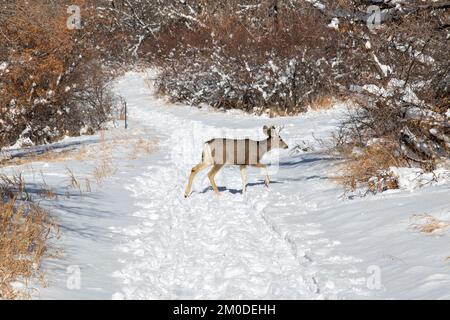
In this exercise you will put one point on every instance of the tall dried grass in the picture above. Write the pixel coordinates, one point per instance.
(73, 182)
(24, 230)
(49, 155)
(13, 187)
(104, 170)
(25, 227)
(370, 167)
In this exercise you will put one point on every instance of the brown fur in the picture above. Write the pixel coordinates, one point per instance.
(219, 152)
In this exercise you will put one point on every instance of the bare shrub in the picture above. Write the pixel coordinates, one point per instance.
(371, 166)
(402, 89)
(45, 90)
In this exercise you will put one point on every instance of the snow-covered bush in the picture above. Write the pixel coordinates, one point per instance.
(402, 90)
(253, 59)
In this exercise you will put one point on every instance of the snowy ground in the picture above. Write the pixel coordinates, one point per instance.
(135, 236)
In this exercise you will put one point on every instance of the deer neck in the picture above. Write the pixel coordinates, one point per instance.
(265, 146)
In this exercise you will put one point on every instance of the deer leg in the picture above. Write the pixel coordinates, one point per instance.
(266, 173)
(194, 172)
(212, 174)
(244, 178)
(266, 176)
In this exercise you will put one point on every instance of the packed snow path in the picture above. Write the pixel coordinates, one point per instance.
(234, 245)
(136, 236)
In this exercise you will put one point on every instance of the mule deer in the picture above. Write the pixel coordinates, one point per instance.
(243, 152)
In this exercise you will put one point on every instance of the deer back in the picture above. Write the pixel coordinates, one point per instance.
(237, 151)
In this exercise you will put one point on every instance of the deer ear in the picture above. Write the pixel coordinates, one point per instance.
(266, 130)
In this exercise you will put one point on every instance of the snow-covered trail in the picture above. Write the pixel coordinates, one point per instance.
(235, 245)
(135, 236)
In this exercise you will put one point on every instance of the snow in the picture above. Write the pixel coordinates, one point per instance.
(384, 68)
(3, 66)
(334, 24)
(317, 4)
(136, 237)
(393, 85)
(413, 178)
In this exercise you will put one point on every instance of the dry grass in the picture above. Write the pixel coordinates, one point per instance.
(122, 114)
(81, 154)
(81, 185)
(426, 223)
(322, 103)
(73, 181)
(108, 142)
(45, 156)
(46, 192)
(24, 231)
(50, 155)
(370, 167)
(25, 227)
(104, 170)
(13, 187)
(102, 136)
(142, 146)
(87, 185)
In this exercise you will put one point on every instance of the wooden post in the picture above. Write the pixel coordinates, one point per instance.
(126, 120)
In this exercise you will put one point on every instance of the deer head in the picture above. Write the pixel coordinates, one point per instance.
(274, 135)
